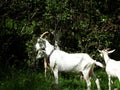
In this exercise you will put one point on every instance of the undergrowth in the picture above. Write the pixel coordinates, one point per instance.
(34, 80)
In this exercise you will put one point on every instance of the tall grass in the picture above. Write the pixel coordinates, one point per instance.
(34, 80)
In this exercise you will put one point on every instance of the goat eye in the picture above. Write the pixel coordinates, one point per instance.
(43, 49)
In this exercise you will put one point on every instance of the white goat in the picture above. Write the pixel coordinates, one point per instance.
(63, 61)
(112, 66)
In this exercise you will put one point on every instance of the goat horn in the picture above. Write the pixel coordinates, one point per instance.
(42, 35)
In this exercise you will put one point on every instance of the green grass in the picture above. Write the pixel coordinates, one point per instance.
(34, 80)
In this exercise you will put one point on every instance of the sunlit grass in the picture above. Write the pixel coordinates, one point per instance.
(34, 80)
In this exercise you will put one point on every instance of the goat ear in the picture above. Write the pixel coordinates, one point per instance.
(111, 51)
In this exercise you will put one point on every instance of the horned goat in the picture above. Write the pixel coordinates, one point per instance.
(69, 62)
(112, 66)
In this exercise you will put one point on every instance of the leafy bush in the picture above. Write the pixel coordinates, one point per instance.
(84, 27)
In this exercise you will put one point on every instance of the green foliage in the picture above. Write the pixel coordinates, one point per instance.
(24, 80)
(85, 26)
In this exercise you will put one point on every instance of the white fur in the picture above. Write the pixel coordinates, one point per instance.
(112, 66)
(70, 62)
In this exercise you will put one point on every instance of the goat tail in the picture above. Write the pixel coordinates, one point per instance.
(99, 64)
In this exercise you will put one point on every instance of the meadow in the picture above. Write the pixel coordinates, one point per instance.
(34, 80)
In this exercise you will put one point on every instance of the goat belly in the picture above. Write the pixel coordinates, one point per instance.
(67, 68)
(67, 64)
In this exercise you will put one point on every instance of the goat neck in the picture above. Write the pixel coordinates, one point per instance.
(49, 48)
(105, 56)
